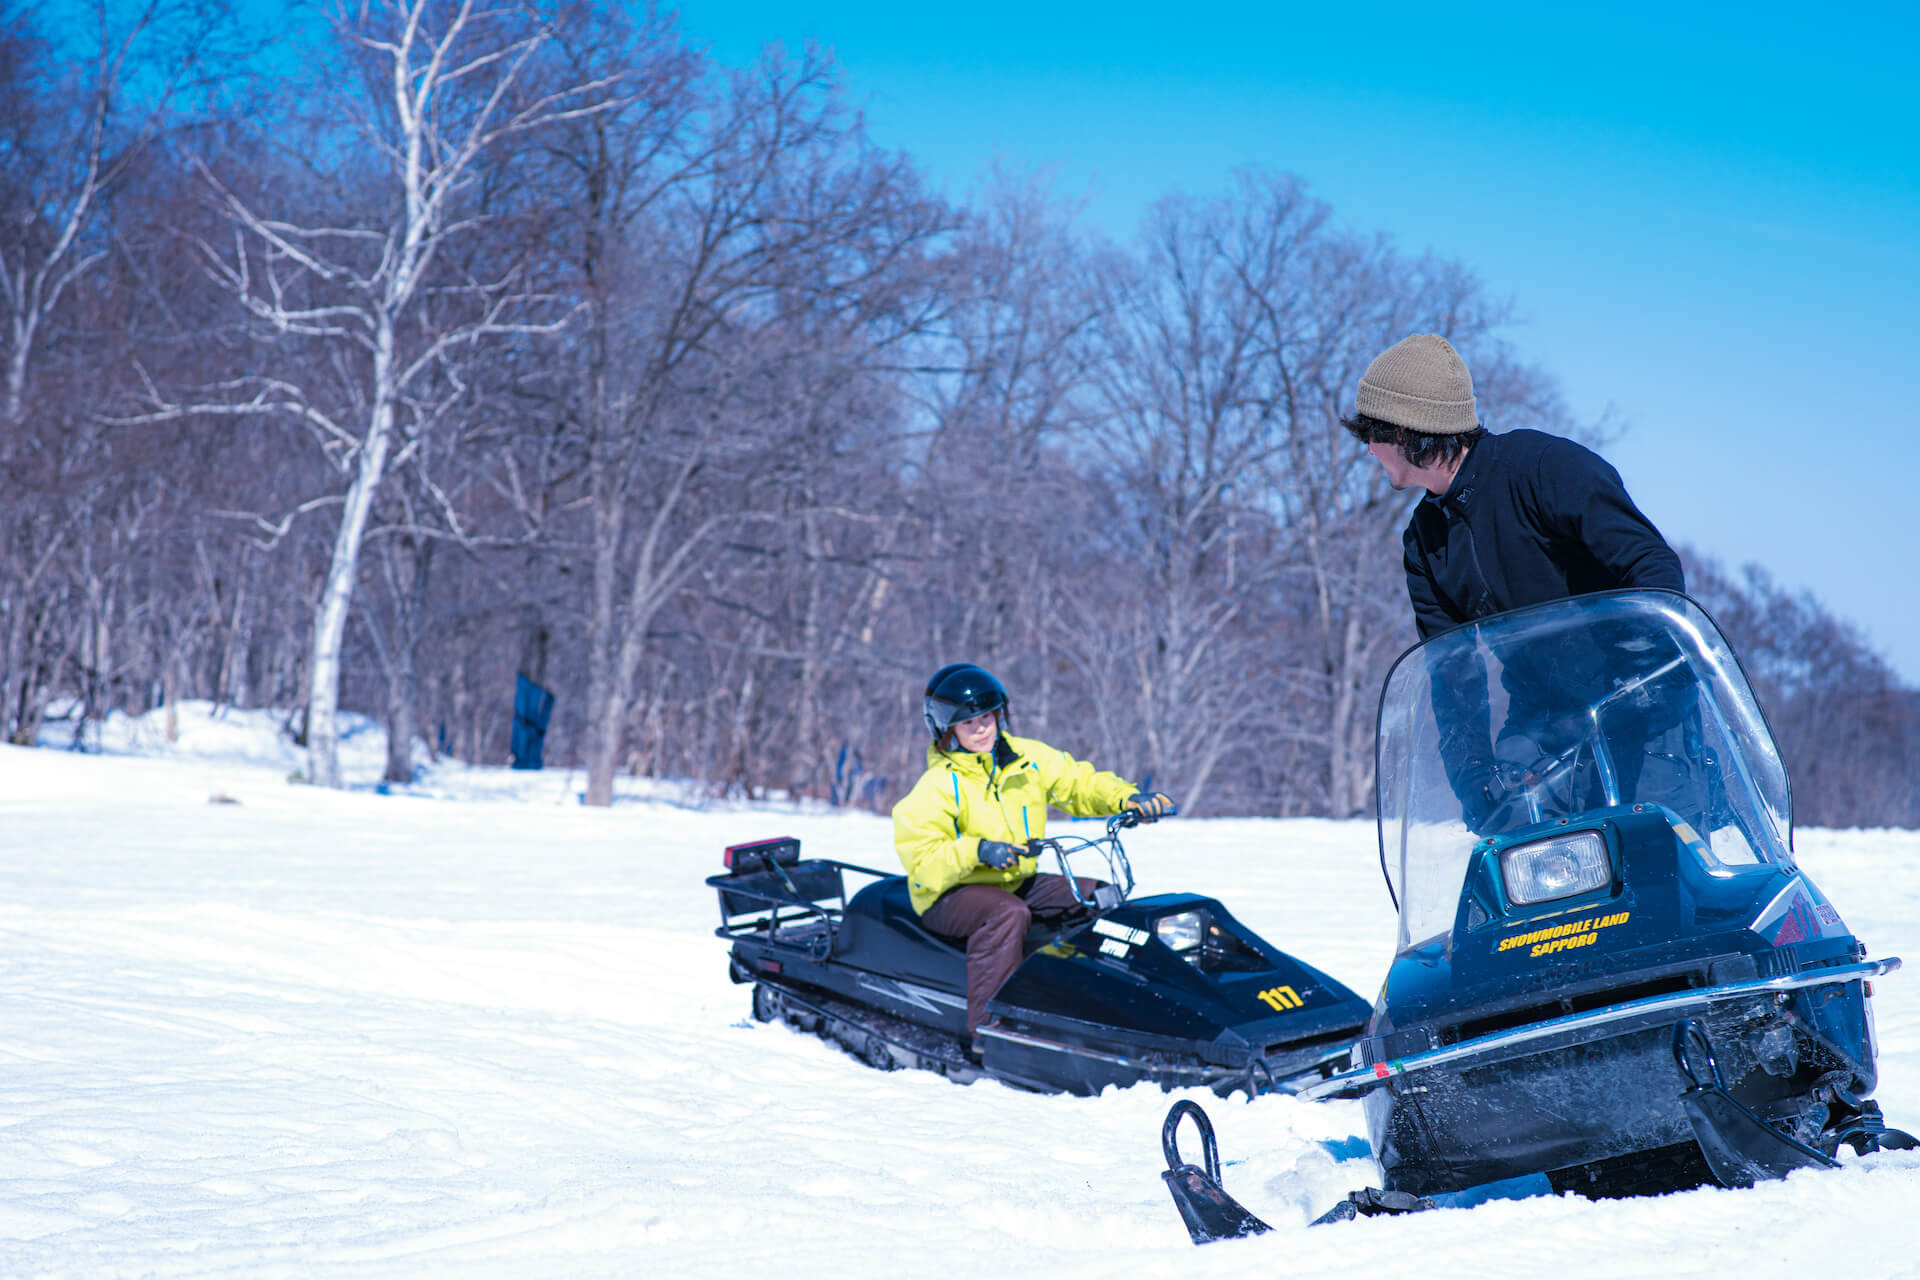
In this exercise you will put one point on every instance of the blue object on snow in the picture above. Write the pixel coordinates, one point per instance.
(532, 708)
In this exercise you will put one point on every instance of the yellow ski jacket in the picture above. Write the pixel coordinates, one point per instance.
(964, 798)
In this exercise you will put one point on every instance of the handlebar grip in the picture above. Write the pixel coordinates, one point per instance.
(1135, 816)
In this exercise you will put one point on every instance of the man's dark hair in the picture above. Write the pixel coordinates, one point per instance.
(1421, 449)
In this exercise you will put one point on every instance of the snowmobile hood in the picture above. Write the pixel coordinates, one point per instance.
(1667, 918)
(1179, 968)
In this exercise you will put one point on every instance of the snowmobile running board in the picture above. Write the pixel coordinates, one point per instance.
(1364, 1080)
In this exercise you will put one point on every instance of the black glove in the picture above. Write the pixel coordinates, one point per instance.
(1151, 806)
(1481, 794)
(1000, 855)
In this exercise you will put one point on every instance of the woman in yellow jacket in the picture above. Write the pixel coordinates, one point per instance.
(963, 831)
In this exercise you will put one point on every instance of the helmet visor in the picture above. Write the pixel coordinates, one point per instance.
(944, 713)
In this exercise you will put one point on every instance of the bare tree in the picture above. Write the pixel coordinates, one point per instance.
(403, 560)
(74, 128)
(913, 518)
(87, 96)
(1258, 598)
(1193, 422)
(998, 501)
(438, 90)
(765, 217)
(1346, 301)
(668, 387)
(1850, 732)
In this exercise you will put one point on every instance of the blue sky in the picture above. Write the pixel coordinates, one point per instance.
(1707, 216)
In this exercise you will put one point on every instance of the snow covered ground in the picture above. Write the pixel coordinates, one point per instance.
(473, 1028)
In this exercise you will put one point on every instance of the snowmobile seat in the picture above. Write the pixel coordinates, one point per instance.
(896, 908)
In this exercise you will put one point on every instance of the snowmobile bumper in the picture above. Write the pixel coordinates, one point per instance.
(1576, 1090)
(1576, 1028)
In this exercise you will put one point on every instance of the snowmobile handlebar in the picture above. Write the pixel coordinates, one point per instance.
(1119, 871)
(1136, 818)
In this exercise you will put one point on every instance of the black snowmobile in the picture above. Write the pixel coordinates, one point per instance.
(1610, 969)
(1169, 989)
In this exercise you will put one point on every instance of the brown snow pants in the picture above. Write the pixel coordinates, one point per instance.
(994, 923)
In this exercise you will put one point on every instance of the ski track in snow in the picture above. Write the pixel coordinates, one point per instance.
(479, 1030)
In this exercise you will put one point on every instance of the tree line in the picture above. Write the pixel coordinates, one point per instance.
(370, 360)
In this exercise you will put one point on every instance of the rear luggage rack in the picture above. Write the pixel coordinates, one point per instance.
(784, 902)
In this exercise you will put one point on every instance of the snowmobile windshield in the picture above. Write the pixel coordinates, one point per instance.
(1550, 712)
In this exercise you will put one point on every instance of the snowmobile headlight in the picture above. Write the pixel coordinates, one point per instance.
(1556, 868)
(1181, 932)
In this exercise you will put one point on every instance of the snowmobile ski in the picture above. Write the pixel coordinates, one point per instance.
(1739, 1146)
(1372, 1202)
(1742, 1149)
(1209, 1212)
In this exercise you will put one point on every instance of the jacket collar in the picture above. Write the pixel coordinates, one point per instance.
(979, 764)
(1465, 480)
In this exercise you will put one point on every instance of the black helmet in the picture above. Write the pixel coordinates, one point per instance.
(959, 692)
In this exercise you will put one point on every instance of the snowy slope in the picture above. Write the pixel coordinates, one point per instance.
(477, 1029)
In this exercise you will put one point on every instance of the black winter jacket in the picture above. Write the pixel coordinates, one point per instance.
(1530, 517)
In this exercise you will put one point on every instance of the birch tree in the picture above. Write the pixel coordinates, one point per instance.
(430, 94)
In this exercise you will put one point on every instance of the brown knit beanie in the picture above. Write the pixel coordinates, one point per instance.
(1420, 383)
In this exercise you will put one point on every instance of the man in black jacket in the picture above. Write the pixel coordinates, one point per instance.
(1508, 520)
